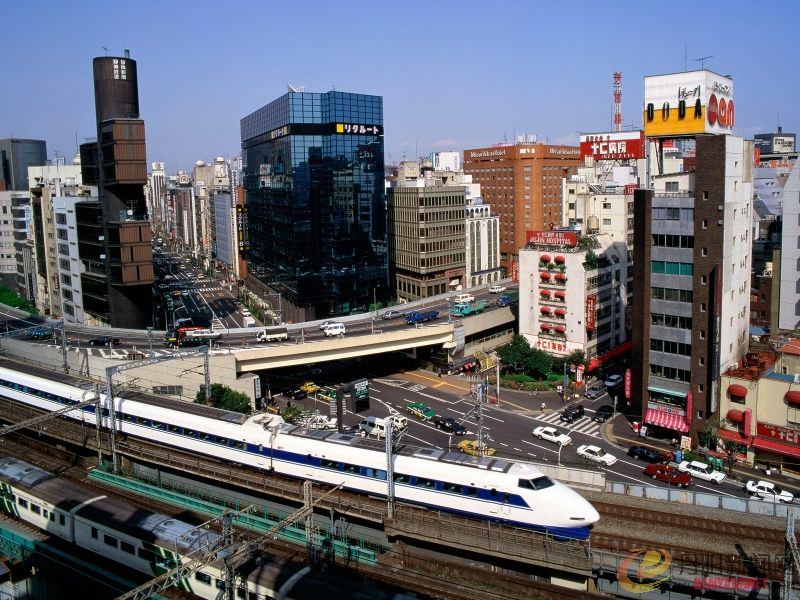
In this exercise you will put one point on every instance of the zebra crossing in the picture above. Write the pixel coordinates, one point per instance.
(583, 425)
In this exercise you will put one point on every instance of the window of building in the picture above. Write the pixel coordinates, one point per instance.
(61, 219)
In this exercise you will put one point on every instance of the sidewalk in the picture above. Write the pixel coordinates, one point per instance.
(619, 432)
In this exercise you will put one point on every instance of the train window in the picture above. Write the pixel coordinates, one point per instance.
(220, 584)
(127, 547)
(328, 464)
(53, 517)
(351, 468)
(61, 520)
(109, 540)
(541, 483)
(189, 433)
(205, 437)
(145, 422)
(380, 474)
(45, 513)
(174, 428)
(157, 425)
(238, 445)
(23, 503)
(398, 478)
(128, 418)
(222, 441)
(36, 509)
(452, 488)
(426, 483)
(202, 577)
(506, 497)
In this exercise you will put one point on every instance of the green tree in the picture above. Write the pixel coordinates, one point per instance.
(515, 353)
(538, 364)
(591, 262)
(10, 298)
(225, 398)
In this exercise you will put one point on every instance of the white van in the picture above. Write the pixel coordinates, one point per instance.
(332, 329)
(463, 299)
(377, 426)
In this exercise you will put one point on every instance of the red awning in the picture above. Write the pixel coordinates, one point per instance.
(544, 258)
(544, 293)
(735, 414)
(560, 311)
(561, 277)
(792, 397)
(593, 364)
(545, 275)
(665, 419)
(545, 310)
(544, 327)
(559, 329)
(733, 436)
(737, 390)
(560, 295)
(776, 446)
(560, 259)
(616, 351)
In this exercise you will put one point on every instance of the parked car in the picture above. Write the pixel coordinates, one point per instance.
(472, 447)
(766, 490)
(393, 314)
(572, 413)
(594, 391)
(497, 289)
(702, 471)
(596, 454)
(647, 455)
(603, 413)
(551, 434)
(612, 381)
(423, 411)
(669, 474)
(294, 393)
(105, 340)
(450, 425)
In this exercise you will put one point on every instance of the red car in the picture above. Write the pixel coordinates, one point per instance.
(669, 474)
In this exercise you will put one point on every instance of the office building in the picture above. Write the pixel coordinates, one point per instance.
(16, 155)
(114, 234)
(316, 218)
(522, 183)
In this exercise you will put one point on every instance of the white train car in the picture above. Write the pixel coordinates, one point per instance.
(512, 492)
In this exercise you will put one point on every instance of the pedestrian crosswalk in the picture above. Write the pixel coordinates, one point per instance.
(583, 425)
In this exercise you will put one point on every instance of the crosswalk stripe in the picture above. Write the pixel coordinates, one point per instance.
(583, 425)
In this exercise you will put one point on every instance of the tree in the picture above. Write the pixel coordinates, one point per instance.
(515, 353)
(538, 363)
(225, 398)
(591, 262)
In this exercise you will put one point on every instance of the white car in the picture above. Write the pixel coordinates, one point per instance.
(551, 434)
(701, 471)
(596, 454)
(768, 491)
(324, 324)
(612, 381)
(497, 289)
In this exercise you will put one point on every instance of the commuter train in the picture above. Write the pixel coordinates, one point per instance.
(485, 488)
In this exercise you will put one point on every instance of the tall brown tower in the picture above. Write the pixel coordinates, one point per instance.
(114, 234)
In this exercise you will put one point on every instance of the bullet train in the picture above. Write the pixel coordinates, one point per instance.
(485, 488)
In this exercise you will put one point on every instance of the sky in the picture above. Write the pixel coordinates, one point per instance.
(453, 74)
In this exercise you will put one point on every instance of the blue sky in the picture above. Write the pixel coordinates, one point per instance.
(453, 75)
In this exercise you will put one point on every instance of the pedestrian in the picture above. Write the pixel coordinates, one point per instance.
(544, 405)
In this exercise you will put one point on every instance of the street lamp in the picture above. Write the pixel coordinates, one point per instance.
(150, 338)
(615, 408)
(560, 445)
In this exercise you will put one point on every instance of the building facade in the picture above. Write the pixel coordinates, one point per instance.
(316, 218)
(522, 183)
(16, 155)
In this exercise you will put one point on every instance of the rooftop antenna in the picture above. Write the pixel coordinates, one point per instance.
(685, 61)
(703, 59)
(105, 50)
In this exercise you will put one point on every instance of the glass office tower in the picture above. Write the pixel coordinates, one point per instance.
(315, 228)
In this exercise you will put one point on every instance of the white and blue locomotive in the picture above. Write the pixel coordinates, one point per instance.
(490, 488)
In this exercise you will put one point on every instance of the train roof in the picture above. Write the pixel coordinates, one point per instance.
(19, 472)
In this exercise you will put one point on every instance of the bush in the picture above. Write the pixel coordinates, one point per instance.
(225, 398)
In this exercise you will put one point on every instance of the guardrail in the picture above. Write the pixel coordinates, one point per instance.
(577, 478)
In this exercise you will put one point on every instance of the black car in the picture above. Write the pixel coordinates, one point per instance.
(40, 333)
(450, 425)
(294, 393)
(647, 455)
(603, 413)
(105, 340)
(572, 413)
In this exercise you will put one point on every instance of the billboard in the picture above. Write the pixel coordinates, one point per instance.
(618, 145)
(687, 104)
(552, 238)
(591, 312)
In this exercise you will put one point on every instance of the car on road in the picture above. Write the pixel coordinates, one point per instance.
(449, 424)
(572, 413)
(702, 471)
(423, 411)
(612, 381)
(596, 454)
(647, 455)
(105, 340)
(594, 391)
(393, 314)
(497, 289)
(766, 490)
(325, 324)
(668, 474)
(473, 448)
(603, 413)
(551, 434)
(40, 333)
(294, 393)
(309, 387)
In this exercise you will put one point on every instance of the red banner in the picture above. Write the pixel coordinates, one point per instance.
(784, 434)
(515, 271)
(618, 145)
(552, 238)
(591, 304)
(627, 384)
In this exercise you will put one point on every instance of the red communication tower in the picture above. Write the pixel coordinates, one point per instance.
(617, 101)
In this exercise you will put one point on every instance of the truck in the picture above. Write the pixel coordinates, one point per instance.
(272, 334)
(507, 299)
(416, 316)
(249, 322)
(466, 309)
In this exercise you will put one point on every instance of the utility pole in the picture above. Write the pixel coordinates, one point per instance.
(207, 373)
(64, 346)
(150, 338)
(389, 470)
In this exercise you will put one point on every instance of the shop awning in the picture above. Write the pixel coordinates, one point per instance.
(560, 259)
(544, 258)
(736, 415)
(593, 364)
(544, 327)
(559, 329)
(545, 275)
(544, 293)
(561, 295)
(792, 397)
(733, 436)
(560, 311)
(662, 418)
(776, 446)
(545, 310)
(616, 351)
(561, 277)
(737, 390)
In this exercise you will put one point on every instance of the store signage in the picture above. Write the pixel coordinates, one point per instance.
(627, 384)
(579, 374)
(619, 145)
(487, 153)
(591, 311)
(784, 434)
(515, 271)
(552, 238)
(355, 129)
(551, 346)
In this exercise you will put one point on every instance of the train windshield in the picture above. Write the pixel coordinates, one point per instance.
(538, 483)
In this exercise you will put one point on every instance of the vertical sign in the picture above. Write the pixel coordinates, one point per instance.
(579, 374)
(627, 384)
(515, 271)
(591, 304)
